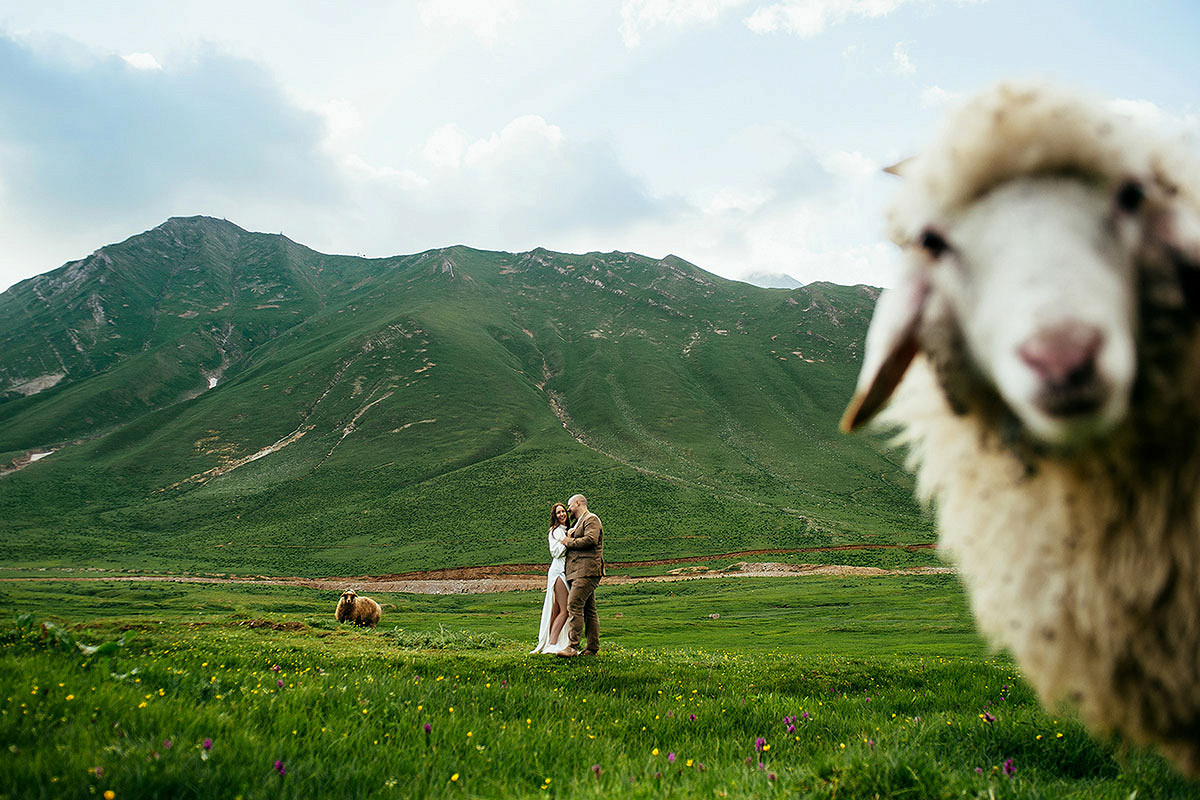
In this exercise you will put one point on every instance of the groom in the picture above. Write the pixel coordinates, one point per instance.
(584, 568)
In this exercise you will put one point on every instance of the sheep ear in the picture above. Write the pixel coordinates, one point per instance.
(899, 167)
(891, 346)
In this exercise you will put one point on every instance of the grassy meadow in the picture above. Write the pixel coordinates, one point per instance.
(802, 687)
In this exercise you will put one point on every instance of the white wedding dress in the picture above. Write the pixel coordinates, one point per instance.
(558, 566)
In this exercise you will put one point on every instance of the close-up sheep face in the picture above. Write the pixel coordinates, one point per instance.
(1037, 279)
(1025, 287)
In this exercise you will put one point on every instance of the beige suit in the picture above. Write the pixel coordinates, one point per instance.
(584, 568)
(585, 549)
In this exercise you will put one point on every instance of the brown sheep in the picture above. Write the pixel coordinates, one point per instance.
(359, 610)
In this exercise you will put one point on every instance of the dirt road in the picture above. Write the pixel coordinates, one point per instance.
(524, 577)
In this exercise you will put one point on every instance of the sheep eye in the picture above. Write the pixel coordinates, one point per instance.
(933, 243)
(1130, 197)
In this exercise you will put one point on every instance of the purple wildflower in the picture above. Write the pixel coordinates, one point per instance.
(791, 728)
(758, 743)
(1009, 768)
(274, 668)
(670, 758)
(206, 744)
(871, 743)
(803, 715)
(279, 683)
(282, 770)
(691, 717)
(428, 727)
(596, 770)
(770, 776)
(166, 744)
(988, 717)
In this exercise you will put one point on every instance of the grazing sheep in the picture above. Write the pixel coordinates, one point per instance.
(1042, 356)
(359, 610)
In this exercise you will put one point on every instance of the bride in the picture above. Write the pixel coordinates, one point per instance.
(552, 632)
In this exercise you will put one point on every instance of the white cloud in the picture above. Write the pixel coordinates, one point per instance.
(484, 18)
(640, 16)
(445, 147)
(809, 18)
(361, 172)
(740, 200)
(849, 166)
(529, 135)
(342, 119)
(935, 97)
(901, 63)
(526, 185)
(1162, 122)
(829, 228)
(78, 141)
(142, 61)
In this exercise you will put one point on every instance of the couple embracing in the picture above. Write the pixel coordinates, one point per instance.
(576, 566)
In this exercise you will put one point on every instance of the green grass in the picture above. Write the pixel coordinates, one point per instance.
(920, 615)
(884, 682)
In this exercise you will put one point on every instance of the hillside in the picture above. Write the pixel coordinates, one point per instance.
(225, 400)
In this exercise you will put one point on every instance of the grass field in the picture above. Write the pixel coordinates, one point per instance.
(812, 687)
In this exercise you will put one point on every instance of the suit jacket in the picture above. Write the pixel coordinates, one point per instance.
(585, 550)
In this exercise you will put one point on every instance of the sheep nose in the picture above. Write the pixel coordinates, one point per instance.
(1064, 354)
(1064, 358)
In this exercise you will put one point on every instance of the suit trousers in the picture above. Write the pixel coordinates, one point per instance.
(581, 610)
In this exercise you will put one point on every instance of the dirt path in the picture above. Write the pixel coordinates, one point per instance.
(526, 577)
(471, 573)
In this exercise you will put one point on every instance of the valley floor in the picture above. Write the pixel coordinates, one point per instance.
(815, 687)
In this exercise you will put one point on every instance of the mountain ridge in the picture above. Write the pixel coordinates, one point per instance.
(242, 387)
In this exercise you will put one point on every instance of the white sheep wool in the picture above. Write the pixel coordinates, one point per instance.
(1083, 561)
(1017, 129)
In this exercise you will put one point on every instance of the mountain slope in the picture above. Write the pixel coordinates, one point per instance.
(423, 411)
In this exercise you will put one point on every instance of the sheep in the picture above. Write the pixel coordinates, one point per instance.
(1042, 358)
(358, 610)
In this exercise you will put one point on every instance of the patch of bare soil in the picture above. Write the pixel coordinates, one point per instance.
(499, 570)
(528, 577)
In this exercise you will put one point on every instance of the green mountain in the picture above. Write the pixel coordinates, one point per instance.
(225, 400)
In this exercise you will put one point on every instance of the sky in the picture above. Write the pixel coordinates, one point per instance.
(741, 135)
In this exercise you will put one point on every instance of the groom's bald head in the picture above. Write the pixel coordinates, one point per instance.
(577, 505)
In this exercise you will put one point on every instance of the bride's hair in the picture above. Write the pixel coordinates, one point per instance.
(554, 514)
